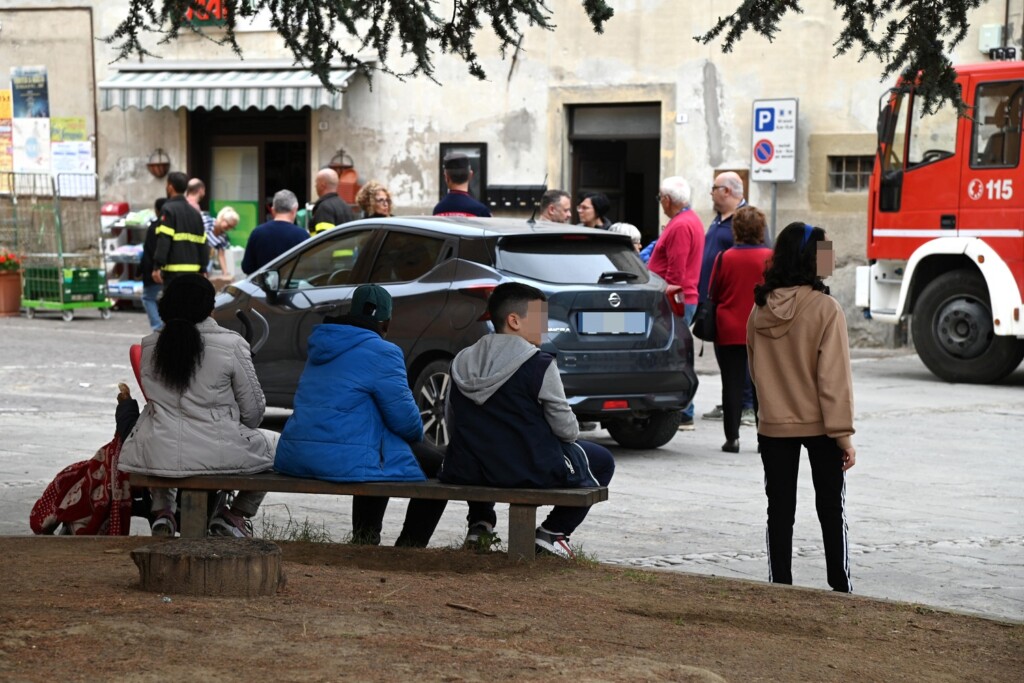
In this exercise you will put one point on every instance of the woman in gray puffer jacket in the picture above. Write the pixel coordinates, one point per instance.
(204, 406)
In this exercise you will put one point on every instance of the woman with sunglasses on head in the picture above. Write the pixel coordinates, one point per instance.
(799, 359)
(375, 200)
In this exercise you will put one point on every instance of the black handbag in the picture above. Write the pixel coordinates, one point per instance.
(704, 318)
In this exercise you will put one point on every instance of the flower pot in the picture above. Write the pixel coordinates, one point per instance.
(10, 293)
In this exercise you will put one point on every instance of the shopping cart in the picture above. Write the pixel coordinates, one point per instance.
(54, 222)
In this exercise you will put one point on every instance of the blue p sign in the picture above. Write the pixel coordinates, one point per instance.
(764, 120)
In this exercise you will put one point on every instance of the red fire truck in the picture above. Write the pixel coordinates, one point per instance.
(945, 236)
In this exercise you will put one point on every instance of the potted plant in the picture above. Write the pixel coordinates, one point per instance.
(10, 283)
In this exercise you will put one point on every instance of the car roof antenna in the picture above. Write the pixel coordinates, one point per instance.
(533, 216)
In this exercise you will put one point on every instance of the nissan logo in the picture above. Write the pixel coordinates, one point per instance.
(614, 300)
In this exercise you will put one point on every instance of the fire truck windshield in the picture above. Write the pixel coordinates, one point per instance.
(908, 133)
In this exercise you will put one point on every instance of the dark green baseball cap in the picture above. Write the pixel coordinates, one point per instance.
(372, 301)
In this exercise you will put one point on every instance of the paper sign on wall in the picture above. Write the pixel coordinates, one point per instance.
(29, 94)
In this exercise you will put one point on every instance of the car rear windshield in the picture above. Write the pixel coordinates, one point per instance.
(571, 259)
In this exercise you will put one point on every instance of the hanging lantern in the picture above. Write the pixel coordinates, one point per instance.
(348, 179)
(159, 163)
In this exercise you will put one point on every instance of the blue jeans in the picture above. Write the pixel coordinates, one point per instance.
(689, 310)
(150, 294)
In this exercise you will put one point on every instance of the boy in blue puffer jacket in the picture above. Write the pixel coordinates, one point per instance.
(355, 419)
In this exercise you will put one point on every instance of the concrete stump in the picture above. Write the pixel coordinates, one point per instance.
(221, 567)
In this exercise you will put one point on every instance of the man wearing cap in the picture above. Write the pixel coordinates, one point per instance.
(330, 210)
(355, 419)
(458, 201)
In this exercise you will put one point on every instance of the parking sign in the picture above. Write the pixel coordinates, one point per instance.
(773, 141)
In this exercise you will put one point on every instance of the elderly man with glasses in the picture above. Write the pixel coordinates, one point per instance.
(677, 253)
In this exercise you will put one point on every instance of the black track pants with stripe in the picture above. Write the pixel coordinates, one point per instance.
(781, 459)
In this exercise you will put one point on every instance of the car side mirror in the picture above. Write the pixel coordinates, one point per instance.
(269, 281)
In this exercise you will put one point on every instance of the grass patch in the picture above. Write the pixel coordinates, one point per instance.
(307, 531)
(640, 576)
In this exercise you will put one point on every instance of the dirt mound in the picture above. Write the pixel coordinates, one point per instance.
(71, 609)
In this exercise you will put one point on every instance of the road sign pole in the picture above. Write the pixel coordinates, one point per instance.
(771, 226)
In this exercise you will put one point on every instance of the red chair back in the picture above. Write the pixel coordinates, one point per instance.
(135, 355)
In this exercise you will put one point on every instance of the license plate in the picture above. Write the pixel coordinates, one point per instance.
(612, 322)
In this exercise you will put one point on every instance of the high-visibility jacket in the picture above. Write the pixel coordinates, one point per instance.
(328, 212)
(180, 239)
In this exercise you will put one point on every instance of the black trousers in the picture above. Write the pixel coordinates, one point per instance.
(781, 459)
(732, 361)
(421, 517)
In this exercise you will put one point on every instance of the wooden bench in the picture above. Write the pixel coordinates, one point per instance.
(523, 503)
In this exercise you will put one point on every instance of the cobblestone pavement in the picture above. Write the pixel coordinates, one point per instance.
(934, 504)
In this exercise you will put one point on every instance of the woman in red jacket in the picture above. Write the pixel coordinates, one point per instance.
(736, 272)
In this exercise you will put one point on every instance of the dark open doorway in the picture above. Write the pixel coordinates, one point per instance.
(617, 150)
(246, 156)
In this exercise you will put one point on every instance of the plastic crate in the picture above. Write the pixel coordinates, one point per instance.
(65, 284)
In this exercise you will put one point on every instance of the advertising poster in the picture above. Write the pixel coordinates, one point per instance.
(31, 145)
(67, 129)
(6, 141)
(29, 94)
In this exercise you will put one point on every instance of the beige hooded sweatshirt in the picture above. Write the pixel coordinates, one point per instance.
(800, 364)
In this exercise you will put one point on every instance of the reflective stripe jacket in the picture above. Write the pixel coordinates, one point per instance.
(328, 212)
(180, 239)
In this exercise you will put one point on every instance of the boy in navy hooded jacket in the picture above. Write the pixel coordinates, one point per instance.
(509, 420)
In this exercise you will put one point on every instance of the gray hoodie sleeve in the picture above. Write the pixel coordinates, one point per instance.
(556, 409)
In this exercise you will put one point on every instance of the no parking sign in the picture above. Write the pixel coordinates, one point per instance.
(773, 141)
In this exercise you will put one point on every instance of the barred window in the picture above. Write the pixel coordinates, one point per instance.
(849, 174)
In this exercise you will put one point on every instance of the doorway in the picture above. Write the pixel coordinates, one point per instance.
(616, 150)
(245, 157)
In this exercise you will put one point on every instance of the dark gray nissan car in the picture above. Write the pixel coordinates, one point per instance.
(624, 352)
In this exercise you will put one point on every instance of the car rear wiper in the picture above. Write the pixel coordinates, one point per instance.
(616, 276)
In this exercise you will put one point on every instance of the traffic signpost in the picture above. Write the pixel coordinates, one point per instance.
(773, 145)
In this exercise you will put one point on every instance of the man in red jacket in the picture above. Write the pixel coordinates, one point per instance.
(677, 255)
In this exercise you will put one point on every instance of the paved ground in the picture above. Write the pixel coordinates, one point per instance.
(934, 504)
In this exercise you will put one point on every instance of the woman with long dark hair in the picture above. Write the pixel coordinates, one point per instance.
(204, 407)
(799, 359)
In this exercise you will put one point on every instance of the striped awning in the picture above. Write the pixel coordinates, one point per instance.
(206, 86)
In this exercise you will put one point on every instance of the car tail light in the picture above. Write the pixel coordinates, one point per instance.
(674, 294)
(481, 292)
(616, 405)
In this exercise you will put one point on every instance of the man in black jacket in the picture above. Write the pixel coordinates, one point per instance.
(151, 289)
(330, 210)
(180, 235)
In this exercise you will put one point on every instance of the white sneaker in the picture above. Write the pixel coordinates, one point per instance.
(748, 418)
(553, 543)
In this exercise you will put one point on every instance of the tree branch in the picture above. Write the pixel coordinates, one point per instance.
(916, 38)
(311, 28)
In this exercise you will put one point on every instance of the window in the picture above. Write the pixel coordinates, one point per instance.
(849, 174)
(932, 136)
(995, 140)
(405, 256)
(571, 259)
(330, 263)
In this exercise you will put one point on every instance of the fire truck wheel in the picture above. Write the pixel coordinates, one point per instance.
(953, 333)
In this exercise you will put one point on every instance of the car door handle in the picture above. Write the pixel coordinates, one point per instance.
(322, 308)
(948, 222)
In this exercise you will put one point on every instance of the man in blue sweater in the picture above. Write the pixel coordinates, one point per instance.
(273, 238)
(509, 422)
